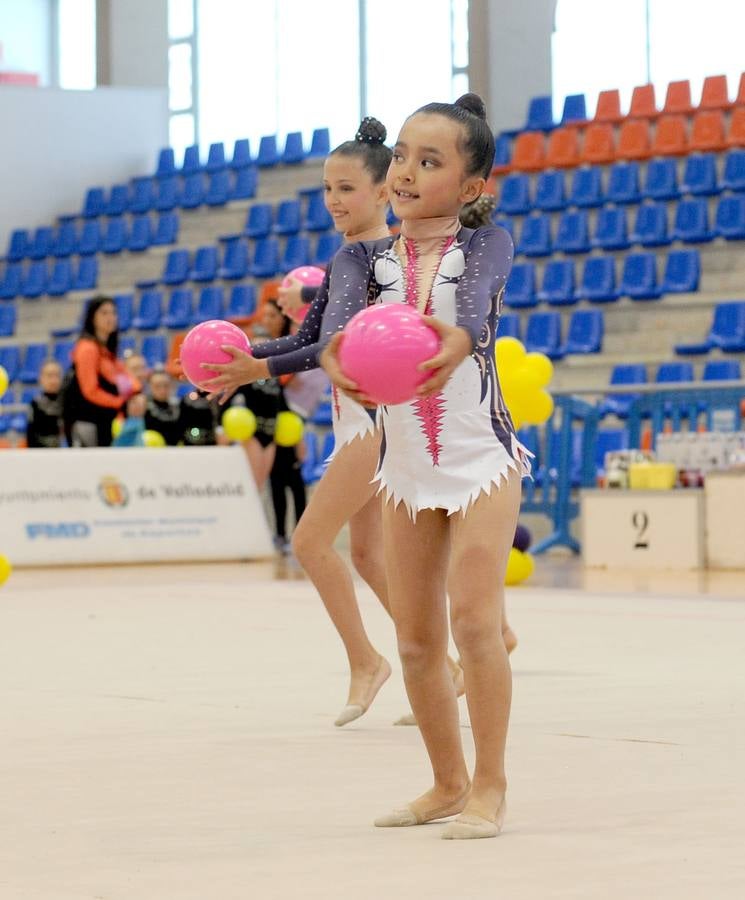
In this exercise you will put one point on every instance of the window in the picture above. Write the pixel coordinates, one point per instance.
(76, 44)
(182, 127)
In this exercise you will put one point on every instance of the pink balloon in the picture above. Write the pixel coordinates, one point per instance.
(382, 348)
(202, 345)
(310, 276)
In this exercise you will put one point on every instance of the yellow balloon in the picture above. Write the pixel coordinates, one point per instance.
(289, 429)
(541, 368)
(510, 354)
(5, 569)
(4, 382)
(525, 378)
(519, 567)
(239, 423)
(540, 407)
(153, 438)
(116, 427)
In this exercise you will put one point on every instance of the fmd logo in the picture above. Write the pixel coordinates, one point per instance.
(57, 530)
(112, 491)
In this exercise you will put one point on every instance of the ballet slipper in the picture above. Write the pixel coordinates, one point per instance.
(460, 689)
(470, 826)
(353, 711)
(416, 814)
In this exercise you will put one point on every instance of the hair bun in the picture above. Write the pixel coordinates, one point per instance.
(371, 131)
(473, 103)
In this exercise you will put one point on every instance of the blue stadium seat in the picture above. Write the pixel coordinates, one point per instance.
(10, 283)
(166, 163)
(60, 281)
(619, 404)
(241, 158)
(266, 258)
(509, 325)
(32, 361)
(535, 236)
(609, 440)
(682, 272)
(205, 264)
(730, 218)
(94, 204)
(149, 311)
(722, 370)
(575, 109)
(218, 189)
(288, 217)
(118, 201)
(610, 229)
(127, 345)
(650, 228)
(89, 239)
(692, 222)
(115, 236)
(65, 240)
(216, 157)
(168, 195)
(296, 253)
(124, 310)
(8, 398)
(540, 115)
(327, 247)
(42, 243)
(587, 188)
(242, 302)
(142, 197)
(320, 144)
(623, 183)
(700, 175)
(8, 319)
(598, 280)
(572, 233)
(10, 360)
(661, 182)
(245, 184)
(210, 305)
(585, 332)
(258, 220)
(192, 165)
(727, 331)
(193, 193)
(502, 150)
(549, 192)
(155, 350)
(514, 197)
(86, 277)
(520, 290)
(673, 373)
(235, 260)
(176, 269)
(34, 281)
(166, 231)
(558, 283)
(62, 354)
(294, 151)
(639, 278)
(507, 224)
(179, 312)
(268, 154)
(18, 245)
(317, 217)
(733, 177)
(543, 334)
(141, 234)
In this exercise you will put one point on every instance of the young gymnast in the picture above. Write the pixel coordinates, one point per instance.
(451, 464)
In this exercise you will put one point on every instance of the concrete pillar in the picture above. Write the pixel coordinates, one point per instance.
(132, 43)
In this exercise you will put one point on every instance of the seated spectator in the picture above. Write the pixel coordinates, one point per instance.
(136, 372)
(163, 413)
(198, 420)
(132, 431)
(44, 427)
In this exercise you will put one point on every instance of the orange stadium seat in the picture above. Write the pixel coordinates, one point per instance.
(530, 151)
(599, 146)
(563, 148)
(609, 107)
(740, 99)
(715, 93)
(736, 136)
(634, 142)
(643, 104)
(708, 131)
(671, 137)
(678, 98)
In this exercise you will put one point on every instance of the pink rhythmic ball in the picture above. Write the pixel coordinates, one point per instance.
(202, 345)
(309, 276)
(382, 349)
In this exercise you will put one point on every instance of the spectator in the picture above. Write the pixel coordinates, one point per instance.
(163, 413)
(44, 427)
(132, 431)
(198, 420)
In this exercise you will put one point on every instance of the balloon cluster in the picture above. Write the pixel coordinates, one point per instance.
(523, 378)
(239, 424)
(520, 564)
(4, 381)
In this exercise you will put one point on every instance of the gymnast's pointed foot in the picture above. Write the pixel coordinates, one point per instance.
(435, 804)
(475, 822)
(362, 692)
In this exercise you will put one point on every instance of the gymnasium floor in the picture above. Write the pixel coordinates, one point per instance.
(167, 733)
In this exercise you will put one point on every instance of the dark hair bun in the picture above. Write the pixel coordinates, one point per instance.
(371, 131)
(473, 103)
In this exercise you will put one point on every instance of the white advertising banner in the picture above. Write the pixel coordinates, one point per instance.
(129, 505)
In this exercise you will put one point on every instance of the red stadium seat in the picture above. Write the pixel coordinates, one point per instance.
(634, 142)
(736, 136)
(740, 99)
(643, 104)
(715, 94)
(609, 107)
(708, 131)
(678, 98)
(530, 152)
(599, 146)
(563, 148)
(671, 137)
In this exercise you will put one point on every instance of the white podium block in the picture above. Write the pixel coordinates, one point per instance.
(725, 526)
(643, 529)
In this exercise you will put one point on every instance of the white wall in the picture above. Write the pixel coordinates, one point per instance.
(137, 42)
(55, 144)
(25, 35)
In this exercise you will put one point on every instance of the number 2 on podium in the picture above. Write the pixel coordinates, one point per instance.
(640, 521)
